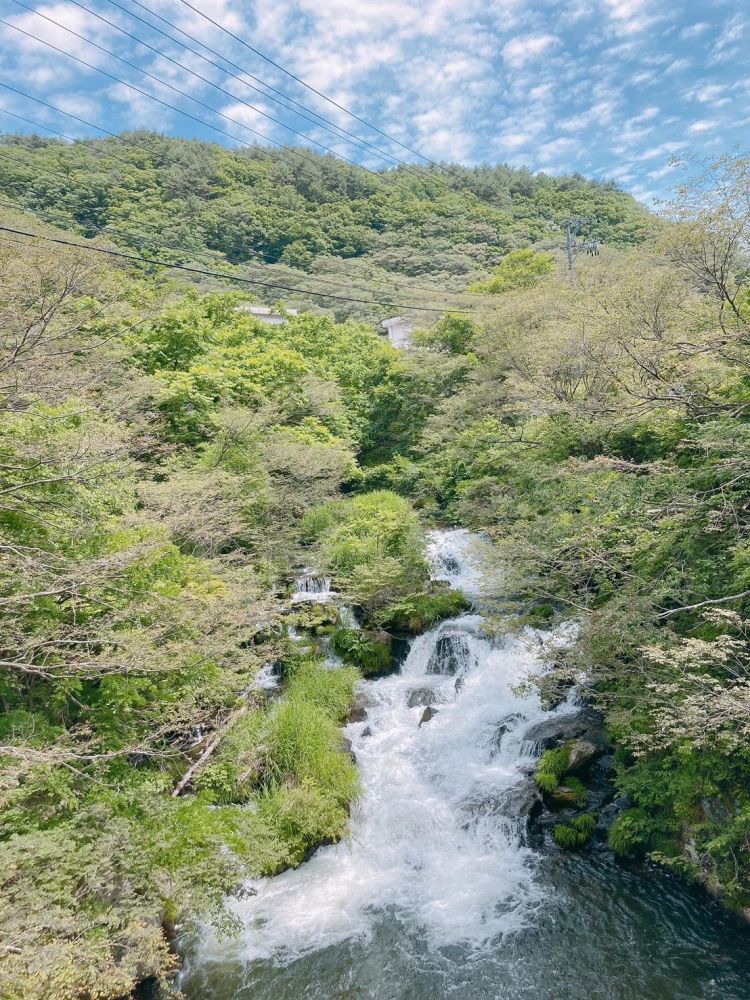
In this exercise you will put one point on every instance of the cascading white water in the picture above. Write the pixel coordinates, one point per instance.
(312, 588)
(437, 838)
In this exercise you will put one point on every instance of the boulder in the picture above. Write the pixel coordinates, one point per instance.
(581, 752)
(420, 696)
(564, 796)
(522, 800)
(553, 732)
(429, 713)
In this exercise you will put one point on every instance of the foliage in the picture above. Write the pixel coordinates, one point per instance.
(419, 612)
(373, 546)
(520, 269)
(370, 652)
(552, 766)
(575, 834)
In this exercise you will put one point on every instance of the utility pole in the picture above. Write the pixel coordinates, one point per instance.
(572, 227)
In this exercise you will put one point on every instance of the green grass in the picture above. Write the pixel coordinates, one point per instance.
(552, 766)
(575, 834)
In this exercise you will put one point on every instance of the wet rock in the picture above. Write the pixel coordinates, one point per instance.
(581, 753)
(508, 723)
(348, 750)
(522, 801)
(610, 813)
(565, 796)
(459, 684)
(420, 696)
(366, 732)
(429, 713)
(452, 654)
(358, 711)
(586, 725)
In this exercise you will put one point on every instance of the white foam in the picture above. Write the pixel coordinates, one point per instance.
(430, 838)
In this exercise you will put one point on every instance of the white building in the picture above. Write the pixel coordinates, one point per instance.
(267, 314)
(399, 330)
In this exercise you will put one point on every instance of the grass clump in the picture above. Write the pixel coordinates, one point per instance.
(370, 652)
(579, 791)
(418, 612)
(575, 834)
(552, 766)
(289, 762)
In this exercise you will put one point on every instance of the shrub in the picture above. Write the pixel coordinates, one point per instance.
(577, 833)
(369, 652)
(630, 832)
(576, 786)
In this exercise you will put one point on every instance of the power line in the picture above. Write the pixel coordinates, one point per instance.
(187, 69)
(305, 112)
(308, 86)
(189, 251)
(183, 93)
(218, 274)
(179, 111)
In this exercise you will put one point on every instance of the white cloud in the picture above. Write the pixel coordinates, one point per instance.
(695, 30)
(524, 48)
(703, 125)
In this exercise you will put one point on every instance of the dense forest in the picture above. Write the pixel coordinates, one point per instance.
(170, 464)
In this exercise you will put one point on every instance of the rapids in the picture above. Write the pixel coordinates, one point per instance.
(437, 892)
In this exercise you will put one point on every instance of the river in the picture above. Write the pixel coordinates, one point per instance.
(437, 892)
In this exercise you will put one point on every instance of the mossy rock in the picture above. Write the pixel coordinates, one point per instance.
(315, 618)
(418, 612)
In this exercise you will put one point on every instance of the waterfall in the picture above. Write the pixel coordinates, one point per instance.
(312, 588)
(438, 837)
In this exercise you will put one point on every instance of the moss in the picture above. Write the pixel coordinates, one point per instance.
(419, 612)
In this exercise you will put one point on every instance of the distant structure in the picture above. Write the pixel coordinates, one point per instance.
(267, 314)
(399, 330)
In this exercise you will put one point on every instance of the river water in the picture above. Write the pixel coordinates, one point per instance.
(437, 893)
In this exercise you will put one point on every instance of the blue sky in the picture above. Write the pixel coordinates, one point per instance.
(613, 88)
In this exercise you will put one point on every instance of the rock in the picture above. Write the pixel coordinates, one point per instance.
(366, 732)
(586, 724)
(609, 814)
(459, 684)
(452, 654)
(522, 800)
(505, 726)
(349, 751)
(581, 752)
(429, 713)
(564, 796)
(358, 711)
(420, 696)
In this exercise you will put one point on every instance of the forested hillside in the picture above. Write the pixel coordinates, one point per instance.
(402, 234)
(170, 464)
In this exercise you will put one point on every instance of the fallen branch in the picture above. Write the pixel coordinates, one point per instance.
(216, 739)
(703, 604)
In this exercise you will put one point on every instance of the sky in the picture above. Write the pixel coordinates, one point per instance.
(615, 89)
